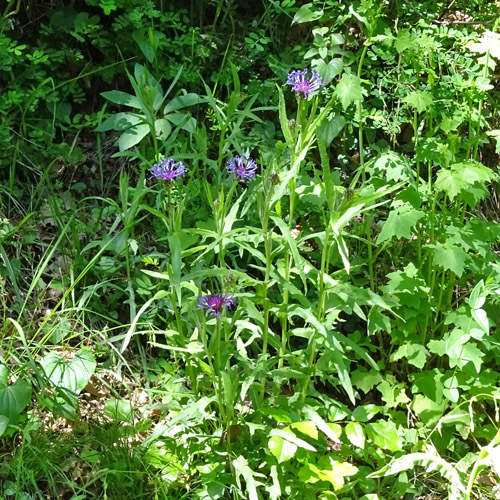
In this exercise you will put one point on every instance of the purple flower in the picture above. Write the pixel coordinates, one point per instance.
(242, 167)
(214, 303)
(167, 170)
(297, 79)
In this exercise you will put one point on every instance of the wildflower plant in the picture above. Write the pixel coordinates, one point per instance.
(303, 85)
(168, 170)
(243, 168)
(215, 303)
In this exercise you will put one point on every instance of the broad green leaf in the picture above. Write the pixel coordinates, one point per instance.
(327, 71)
(321, 424)
(449, 256)
(144, 44)
(290, 436)
(119, 410)
(119, 97)
(400, 223)
(307, 428)
(450, 344)
(416, 354)
(383, 433)
(365, 413)
(355, 434)
(450, 182)
(427, 409)
(307, 13)
(329, 129)
(70, 374)
(132, 136)
(419, 100)
(182, 101)
(349, 90)
(282, 449)
(405, 40)
(327, 469)
(4, 375)
(4, 422)
(119, 121)
(393, 166)
(14, 398)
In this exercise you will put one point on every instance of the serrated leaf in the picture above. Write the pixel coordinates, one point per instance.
(383, 433)
(355, 434)
(349, 90)
(282, 449)
(405, 40)
(449, 256)
(416, 354)
(419, 100)
(242, 469)
(400, 223)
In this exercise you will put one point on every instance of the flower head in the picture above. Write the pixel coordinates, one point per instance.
(242, 167)
(167, 170)
(297, 79)
(214, 303)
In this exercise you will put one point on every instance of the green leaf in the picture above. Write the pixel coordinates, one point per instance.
(433, 463)
(119, 121)
(242, 469)
(450, 182)
(405, 40)
(290, 436)
(393, 166)
(119, 97)
(4, 375)
(69, 374)
(14, 398)
(349, 90)
(133, 136)
(307, 428)
(307, 13)
(144, 44)
(327, 71)
(449, 256)
(400, 223)
(355, 434)
(282, 449)
(329, 129)
(4, 422)
(383, 433)
(419, 100)
(416, 354)
(119, 410)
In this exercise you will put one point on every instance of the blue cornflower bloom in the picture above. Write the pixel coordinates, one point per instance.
(214, 303)
(167, 170)
(242, 167)
(297, 79)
